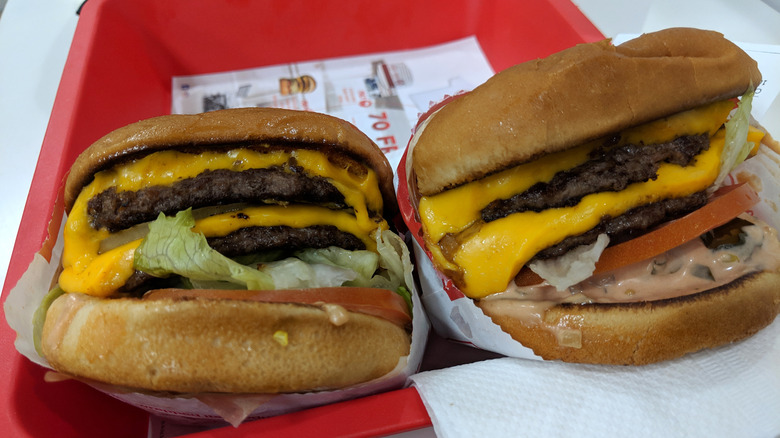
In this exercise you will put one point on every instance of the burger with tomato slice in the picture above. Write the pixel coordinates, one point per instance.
(237, 251)
(580, 200)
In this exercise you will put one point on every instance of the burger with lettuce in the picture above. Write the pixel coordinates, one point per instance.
(237, 251)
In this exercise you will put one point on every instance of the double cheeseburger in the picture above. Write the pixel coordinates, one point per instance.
(237, 251)
(580, 201)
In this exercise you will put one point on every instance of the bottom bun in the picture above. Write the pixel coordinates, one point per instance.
(213, 345)
(646, 332)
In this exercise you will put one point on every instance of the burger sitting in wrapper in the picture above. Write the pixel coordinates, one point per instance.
(583, 202)
(241, 251)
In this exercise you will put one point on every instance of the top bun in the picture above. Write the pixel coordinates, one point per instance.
(579, 94)
(227, 129)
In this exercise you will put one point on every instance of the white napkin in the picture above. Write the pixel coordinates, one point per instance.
(732, 391)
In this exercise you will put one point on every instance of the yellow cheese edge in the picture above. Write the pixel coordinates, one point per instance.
(453, 211)
(491, 254)
(85, 270)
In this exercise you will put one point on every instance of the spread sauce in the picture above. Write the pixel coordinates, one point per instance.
(337, 315)
(685, 270)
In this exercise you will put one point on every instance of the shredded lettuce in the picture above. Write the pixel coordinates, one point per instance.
(362, 263)
(406, 295)
(573, 267)
(293, 273)
(171, 247)
(39, 317)
(395, 260)
(736, 147)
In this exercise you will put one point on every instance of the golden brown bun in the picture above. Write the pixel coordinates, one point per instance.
(184, 345)
(579, 94)
(227, 128)
(647, 332)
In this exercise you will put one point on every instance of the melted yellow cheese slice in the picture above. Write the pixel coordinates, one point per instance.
(490, 255)
(88, 271)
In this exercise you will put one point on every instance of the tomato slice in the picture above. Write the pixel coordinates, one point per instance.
(381, 303)
(725, 205)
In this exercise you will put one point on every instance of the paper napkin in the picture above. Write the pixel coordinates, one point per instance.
(731, 391)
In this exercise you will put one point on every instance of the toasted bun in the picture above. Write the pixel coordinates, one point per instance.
(184, 345)
(227, 129)
(646, 332)
(579, 94)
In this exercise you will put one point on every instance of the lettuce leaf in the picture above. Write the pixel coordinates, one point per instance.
(395, 260)
(294, 273)
(573, 267)
(389, 268)
(171, 247)
(736, 147)
(362, 263)
(39, 317)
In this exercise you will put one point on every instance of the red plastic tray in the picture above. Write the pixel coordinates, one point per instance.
(119, 70)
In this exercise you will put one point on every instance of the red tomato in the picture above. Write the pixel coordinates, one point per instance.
(725, 205)
(381, 303)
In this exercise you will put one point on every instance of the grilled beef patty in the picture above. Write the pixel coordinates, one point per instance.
(254, 239)
(630, 224)
(609, 169)
(116, 211)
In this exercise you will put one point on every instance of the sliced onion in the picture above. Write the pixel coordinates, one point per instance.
(120, 238)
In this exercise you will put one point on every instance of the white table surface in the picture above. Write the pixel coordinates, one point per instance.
(35, 36)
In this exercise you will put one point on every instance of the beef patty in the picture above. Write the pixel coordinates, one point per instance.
(609, 169)
(253, 239)
(116, 211)
(256, 239)
(630, 224)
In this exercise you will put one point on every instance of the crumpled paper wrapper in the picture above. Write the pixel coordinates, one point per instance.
(200, 409)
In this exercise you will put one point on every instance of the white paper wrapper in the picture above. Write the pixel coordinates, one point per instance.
(202, 409)
(733, 391)
(452, 315)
